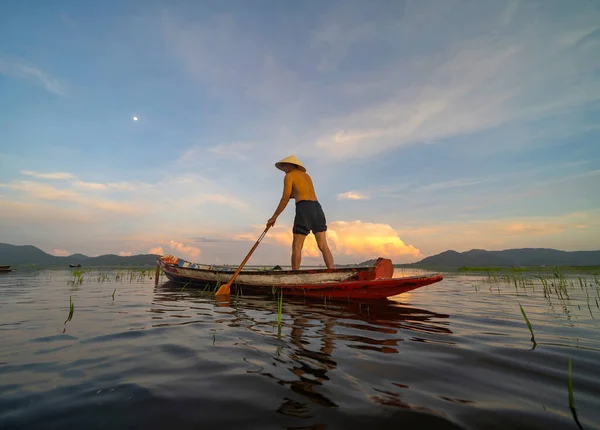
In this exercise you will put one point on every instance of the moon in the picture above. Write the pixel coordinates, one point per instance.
(135, 118)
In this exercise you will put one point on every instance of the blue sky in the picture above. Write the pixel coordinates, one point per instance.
(426, 125)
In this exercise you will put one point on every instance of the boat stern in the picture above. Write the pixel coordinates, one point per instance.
(384, 269)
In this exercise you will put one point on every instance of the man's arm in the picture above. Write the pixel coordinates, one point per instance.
(285, 198)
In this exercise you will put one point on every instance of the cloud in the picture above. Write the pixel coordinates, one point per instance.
(61, 252)
(482, 67)
(37, 214)
(127, 253)
(55, 175)
(91, 185)
(126, 186)
(453, 183)
(48, 192)
(352, 195)
(18, 69)
(42, 191)
(114, 206)
(353, 240)
(184, 198)
(213, 239)
(191, 200)
(570, 231)
(177, 248)
(471, 84)
(232, 150)
(158, 250)
(188, 250)
(120, 186)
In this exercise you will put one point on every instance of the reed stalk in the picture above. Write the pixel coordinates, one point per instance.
(528, 325)
(71, 310)
(587, 298)
(280, 307)
(570, 384)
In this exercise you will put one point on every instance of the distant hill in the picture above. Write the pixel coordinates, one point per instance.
(28, 255)
(510, 257)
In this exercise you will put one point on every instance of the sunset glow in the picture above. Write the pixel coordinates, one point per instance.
(424, 127)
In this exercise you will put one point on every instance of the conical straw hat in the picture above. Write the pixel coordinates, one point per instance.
(292, 160)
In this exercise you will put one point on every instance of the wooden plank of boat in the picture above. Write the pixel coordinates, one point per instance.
(4, 268)
(185, 271)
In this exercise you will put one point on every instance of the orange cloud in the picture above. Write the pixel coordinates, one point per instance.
(190, 251)
(158, 250)
(60, 252)
(357, 239)
(177, 248)
(127, 253)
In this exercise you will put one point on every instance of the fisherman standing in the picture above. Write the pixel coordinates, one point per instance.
(298, 185)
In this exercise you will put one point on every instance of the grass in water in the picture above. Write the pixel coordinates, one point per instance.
(279, 312)
(113, 294)
(280, 308)
(571, 397)
(528, 325)
(218, 283)
(71, 310)
(587, 298)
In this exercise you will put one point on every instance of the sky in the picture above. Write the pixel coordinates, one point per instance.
(425, 126)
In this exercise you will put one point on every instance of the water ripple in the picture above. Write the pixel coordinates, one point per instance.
(452, 355)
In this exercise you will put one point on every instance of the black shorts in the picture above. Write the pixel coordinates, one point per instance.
(309, 216)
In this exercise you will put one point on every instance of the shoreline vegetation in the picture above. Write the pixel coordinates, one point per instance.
(510, 269)
(490, 271)
(475, 261)
(446, 269)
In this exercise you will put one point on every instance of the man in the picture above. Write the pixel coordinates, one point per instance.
(298, 185)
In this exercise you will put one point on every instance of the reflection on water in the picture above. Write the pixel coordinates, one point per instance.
(452, 355)
(315, 329)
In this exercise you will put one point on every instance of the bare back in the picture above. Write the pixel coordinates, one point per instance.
(300, 186)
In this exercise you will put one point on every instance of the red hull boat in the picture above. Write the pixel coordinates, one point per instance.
(368, 282)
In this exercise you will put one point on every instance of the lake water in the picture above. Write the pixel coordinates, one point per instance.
(456, 354)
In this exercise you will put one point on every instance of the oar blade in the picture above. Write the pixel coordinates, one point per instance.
(224, 290)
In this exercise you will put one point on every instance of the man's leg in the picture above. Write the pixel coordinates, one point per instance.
(297, 245)
(321, 238)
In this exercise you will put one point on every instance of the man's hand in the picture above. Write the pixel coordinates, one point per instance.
(271, 222)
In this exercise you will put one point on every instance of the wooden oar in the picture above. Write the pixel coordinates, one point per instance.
(225, 289)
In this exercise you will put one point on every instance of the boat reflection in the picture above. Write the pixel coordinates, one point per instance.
(312, 330)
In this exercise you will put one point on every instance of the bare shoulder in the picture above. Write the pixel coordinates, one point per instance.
(293, 174)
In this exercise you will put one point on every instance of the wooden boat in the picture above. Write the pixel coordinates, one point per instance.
(368, 282)
(74, 265)
(4, 268)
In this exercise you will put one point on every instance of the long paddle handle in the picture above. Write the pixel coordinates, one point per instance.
(248, 256)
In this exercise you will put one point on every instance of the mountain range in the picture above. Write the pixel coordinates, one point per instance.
(16, 255)
(28, 255)
(511, 257)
